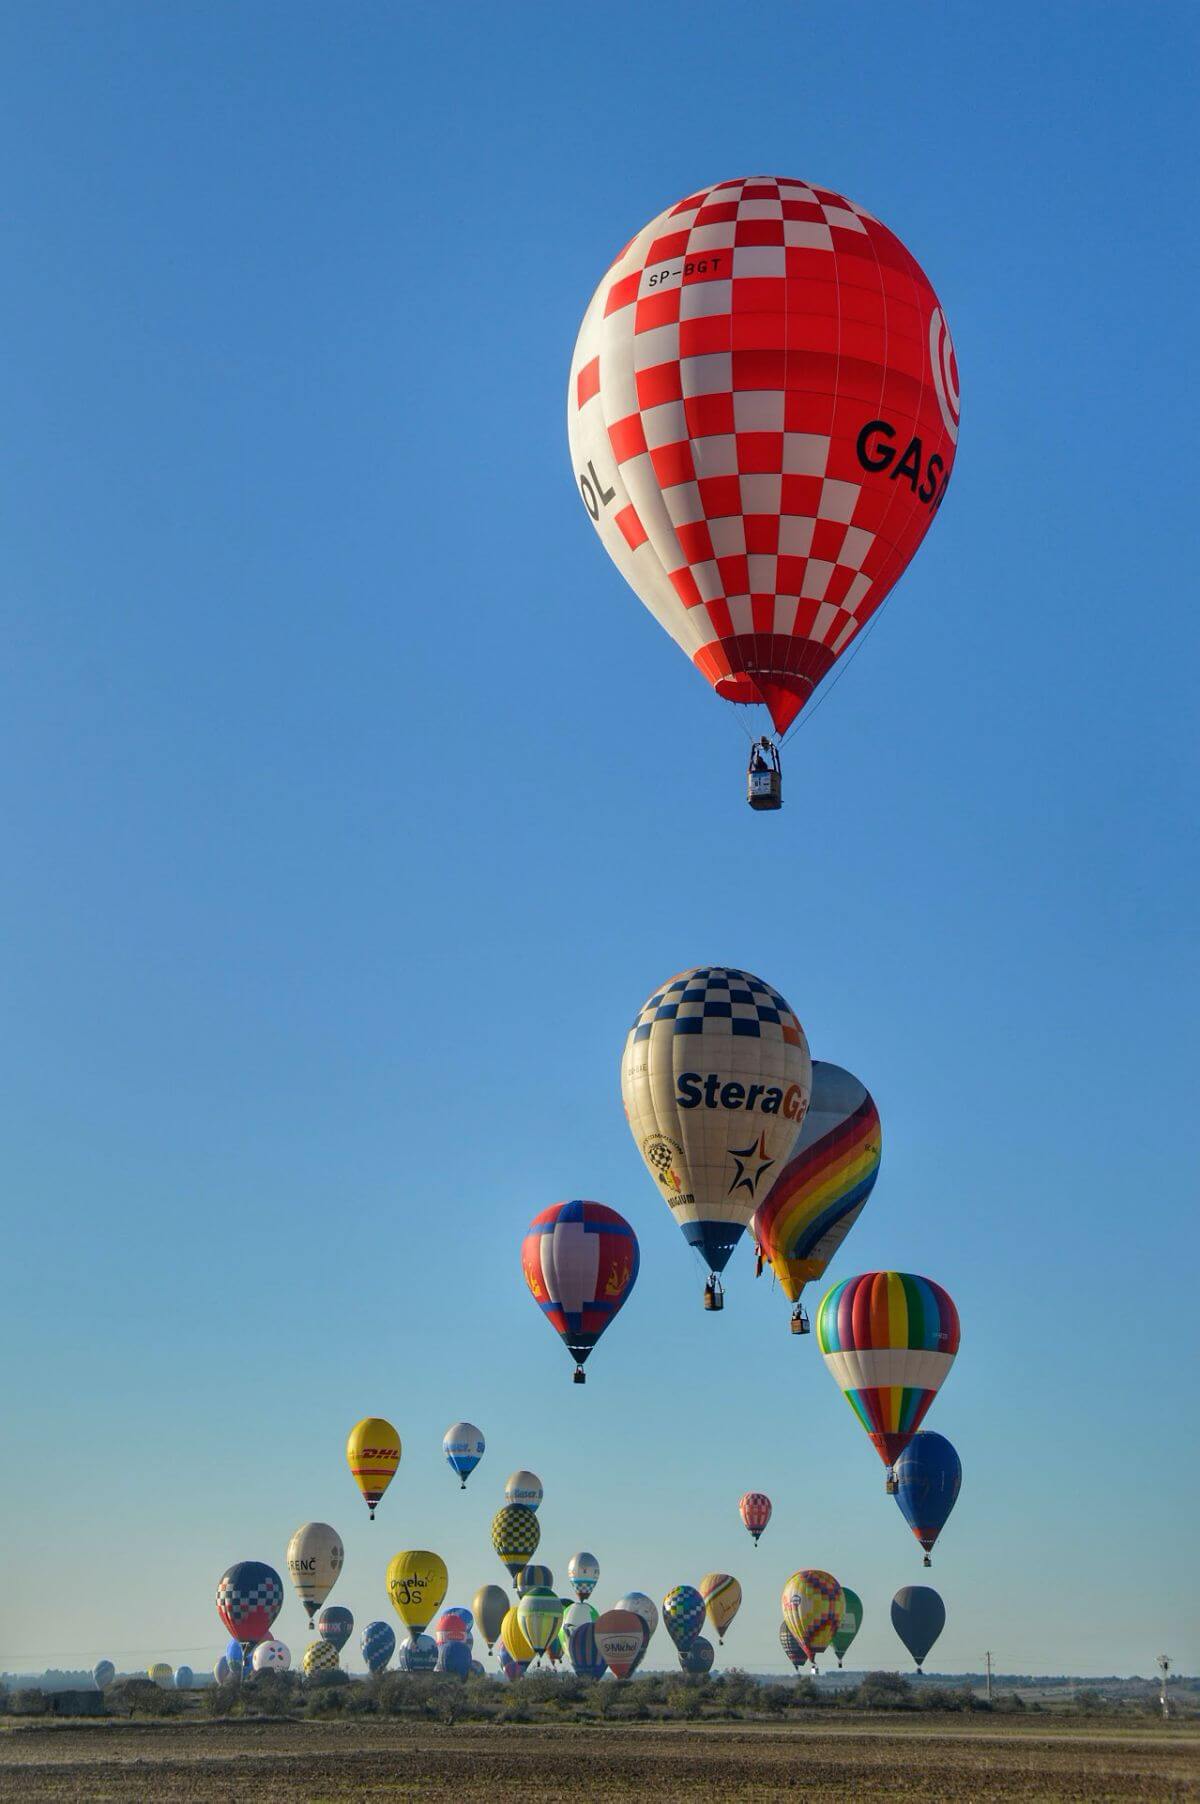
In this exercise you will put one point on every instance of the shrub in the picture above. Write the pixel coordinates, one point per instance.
(885, 1691)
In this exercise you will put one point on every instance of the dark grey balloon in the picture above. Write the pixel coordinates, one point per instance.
(918, 1617)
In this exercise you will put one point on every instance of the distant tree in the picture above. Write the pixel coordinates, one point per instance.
(885, 1691)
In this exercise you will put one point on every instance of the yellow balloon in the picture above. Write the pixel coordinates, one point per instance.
(514, 1637)
(373, 1453)
(416, 1583)
(722, 1598)
(162, 1674)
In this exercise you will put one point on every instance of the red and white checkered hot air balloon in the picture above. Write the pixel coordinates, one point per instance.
(755, 1511)
(763, 414)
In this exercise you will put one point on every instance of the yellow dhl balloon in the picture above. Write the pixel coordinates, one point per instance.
(514, 1637)
(372, 1454)
(416, 1583)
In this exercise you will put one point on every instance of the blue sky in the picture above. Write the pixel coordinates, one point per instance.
(352, 806)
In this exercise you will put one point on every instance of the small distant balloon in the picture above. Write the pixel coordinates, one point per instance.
(850, 1624)
(511, 1667)
(416, 1584)
(319, 1656)
(583, 1574)
(812, 1604)
(377, 1643)
(418, 1653)
(523, 1488)
(755, 1511)
(449, 1627)
(315, 1557)
(794, 1649)
(463, 1444)
(491, 1605)
(515, 1639)
(221, 1672)
(539, 1613)
(161, 1674)
(580, 1261)
(515, 1535)
(586, 1659)
(532, 1578)
(373, 1454)
(722, 1599)
(103, 1674)
(272, 1656)
(335, 1624)
(699, 1657)
(918, 1617)
(620, 1639)
(249, 1598)
(185, 1678)
(683, 1616)
(454, 1658)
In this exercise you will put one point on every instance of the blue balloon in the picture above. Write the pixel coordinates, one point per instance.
(928, 1476)
(103, 1674)
(918, 1617)
(417, 1654)
(378, 1644)
(236, 1659)
(335, 1624)
(585, 1657)
(454, 1657)
(699, 1657)
(185, 1678)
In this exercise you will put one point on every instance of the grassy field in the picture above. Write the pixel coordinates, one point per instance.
(926, 1759)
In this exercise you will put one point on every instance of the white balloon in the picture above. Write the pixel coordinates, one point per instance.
(272, 1656)
(523, 1487)
(314, 1558)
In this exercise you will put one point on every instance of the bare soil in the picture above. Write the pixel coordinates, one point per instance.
(859, 1758)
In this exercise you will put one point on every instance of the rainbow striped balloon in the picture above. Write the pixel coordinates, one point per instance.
(821, 1191)
(889, 1339)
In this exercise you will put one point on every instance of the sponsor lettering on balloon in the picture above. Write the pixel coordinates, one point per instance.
(877, 452)
(714, 1092)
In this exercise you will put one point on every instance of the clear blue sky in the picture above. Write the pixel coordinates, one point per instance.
(352, 805)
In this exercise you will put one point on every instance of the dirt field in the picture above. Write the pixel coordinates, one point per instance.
(174, 1763)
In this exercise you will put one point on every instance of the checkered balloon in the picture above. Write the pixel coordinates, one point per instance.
(763, 413)
(249, 1598)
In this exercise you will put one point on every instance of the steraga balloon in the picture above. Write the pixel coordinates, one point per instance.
(763, 414)
(755, 1511)
(539, 1613)
(336, 1624)
(852, 1612)
(463, 1444)
(722, 1599)
(583, 1572)
(793, 1648)
(918, 1617)
(819, 1195)
(715, 1078)
(928, 1477)
(683, 1615)
(377, 1643)
(524, 1488)
(314, 1559)
(416, 1584)
(620, 1640)
(889, 1339)
(812, 1604)
(515, 1536)
(490, 1605)
(580, 1261)
(249, 1598)
(373, 1454)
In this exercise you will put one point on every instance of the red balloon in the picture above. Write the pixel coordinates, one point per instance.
(580, 1262)
(763, 414)
(755, 1511)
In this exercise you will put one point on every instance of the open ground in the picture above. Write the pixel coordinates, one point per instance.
(859, 1758)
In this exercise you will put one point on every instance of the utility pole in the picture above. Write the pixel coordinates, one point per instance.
(1164, 1667)
(988, 1659)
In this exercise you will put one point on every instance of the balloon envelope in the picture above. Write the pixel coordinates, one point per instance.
(928, 1477)
(417, 1653)
(532, 1578)
(918, 1617)
(103, 1674)
(319, 1656)
(512, 1668)
(755, 1511)
(850, 1624)
(491, 1606)
(699, 1657)
(585, 1657)
(583, 1574)
(377, 1643)
(539, 1613)
(449, 1628)
(793, 1648)
(161, 1674)
(763, 414)
(580, 1261)
(683, 1615)
(515, 1535)
(722, 1599)
(314, 1558)
(373, 1454)
(822, 1190)
(463, 1444)
(715, 1078)
(514, 1637)
(813, 1604)
(249, 1598)
(185, 1678)
(888, 1339)
(524, 1488)
(416, 1584)
(221, 1671)
(335, 1624)
(454, 1657)
(620, 1640)
(271, 1656)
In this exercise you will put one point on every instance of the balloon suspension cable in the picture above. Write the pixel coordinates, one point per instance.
(843, 665)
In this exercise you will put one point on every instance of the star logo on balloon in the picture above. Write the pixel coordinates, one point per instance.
(752, 1162)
